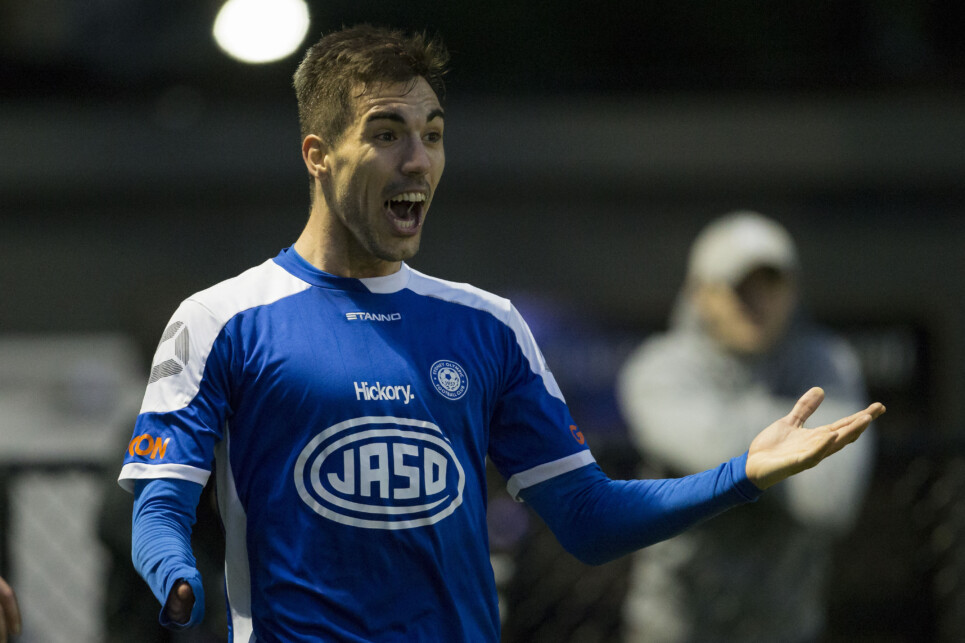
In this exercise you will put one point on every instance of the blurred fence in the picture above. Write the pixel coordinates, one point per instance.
(62, 400)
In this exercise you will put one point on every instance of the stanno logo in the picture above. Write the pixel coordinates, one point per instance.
(360, 316)
(380, 473)
(377, 392)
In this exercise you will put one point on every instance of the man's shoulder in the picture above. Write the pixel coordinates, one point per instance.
(815, 339)
(259, 285)
(460, 293)
(824, 349)
(675, 344)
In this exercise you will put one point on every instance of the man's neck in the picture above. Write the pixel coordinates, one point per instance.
(323, 256)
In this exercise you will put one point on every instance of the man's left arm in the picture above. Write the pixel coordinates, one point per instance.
(598, 519)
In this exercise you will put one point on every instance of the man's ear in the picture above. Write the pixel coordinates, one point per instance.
(314, 155)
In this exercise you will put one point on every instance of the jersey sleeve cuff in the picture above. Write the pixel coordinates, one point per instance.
(133, 471)
(193, 578)
(742, 484)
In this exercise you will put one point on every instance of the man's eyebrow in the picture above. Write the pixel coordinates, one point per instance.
(387, 115)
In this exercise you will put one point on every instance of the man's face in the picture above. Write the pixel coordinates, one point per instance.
(751, 317)
(767, 296)
(383, 173)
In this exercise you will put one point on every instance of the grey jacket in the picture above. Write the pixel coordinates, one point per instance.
(756, 573)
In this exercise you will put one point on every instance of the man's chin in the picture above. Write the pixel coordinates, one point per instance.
(400, 251)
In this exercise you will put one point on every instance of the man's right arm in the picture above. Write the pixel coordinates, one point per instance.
(164, 512)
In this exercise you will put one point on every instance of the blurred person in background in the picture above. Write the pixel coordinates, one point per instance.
(737, 351)
(9, 612)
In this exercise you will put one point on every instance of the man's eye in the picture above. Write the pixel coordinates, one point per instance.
(434, 137)
(386, 137)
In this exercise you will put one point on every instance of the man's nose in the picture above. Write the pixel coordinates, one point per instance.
(417, 161)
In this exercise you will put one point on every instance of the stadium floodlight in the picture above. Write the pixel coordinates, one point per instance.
(261, 31)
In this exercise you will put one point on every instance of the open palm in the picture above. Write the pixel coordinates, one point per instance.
(786, 447)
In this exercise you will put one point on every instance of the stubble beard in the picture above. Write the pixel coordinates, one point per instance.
(375, 238)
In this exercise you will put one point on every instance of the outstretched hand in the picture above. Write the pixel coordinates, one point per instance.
(180, 602)
(786, 447)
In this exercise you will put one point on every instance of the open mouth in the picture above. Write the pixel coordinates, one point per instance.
(405, 211)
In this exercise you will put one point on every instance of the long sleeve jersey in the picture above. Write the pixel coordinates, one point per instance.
(351, 421)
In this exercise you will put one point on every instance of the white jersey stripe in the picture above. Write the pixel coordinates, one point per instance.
(544, 472)
(141, 471)
(237, 572)
(197, 323)
(499, 307)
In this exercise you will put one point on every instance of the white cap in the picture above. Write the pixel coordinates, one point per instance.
(732, 246)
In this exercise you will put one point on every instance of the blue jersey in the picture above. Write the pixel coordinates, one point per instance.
(351, 420)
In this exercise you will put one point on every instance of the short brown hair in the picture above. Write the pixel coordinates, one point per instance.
(360, 55)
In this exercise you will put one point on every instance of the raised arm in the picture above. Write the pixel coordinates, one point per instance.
(598, 520)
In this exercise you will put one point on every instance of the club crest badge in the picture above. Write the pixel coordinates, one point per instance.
(449, 379)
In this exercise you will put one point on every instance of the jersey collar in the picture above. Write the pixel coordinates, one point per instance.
(290, 260)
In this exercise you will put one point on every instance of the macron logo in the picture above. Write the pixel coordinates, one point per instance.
(360, 316)
(377, 392)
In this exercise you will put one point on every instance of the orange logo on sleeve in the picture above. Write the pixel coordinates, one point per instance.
(148, 445)
(577, 434)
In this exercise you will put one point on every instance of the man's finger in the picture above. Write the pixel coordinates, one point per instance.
(874, 410)
(850, 432)
(184, 592)
(180, 602)
(805, 406)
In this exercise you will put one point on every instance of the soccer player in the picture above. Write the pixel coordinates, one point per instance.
(350, 402)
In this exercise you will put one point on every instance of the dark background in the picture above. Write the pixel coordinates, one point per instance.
(587, 143)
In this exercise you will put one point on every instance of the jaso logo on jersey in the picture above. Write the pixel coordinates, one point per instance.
(381, 473)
